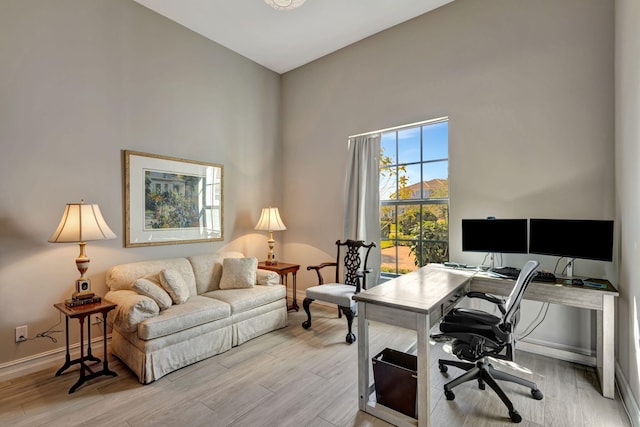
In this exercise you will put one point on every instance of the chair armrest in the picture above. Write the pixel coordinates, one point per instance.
(488, 297)
(317, 269)
(360, 275)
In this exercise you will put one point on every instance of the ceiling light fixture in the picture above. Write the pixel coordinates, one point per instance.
(284, 4)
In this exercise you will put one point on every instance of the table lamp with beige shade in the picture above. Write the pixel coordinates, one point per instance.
(270, 221)
(79, 224)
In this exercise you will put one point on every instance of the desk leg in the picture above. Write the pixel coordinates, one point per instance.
(363, 357)
(605, 357)
(423, 395)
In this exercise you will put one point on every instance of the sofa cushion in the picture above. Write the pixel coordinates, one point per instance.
(122, 276)
(195, 311)
(238, 273)
(207, 269)
(152, 289)
(174, 284)
(242, 300)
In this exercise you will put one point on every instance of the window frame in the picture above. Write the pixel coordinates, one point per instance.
(423, 201)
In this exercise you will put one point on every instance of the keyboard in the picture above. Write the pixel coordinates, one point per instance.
(544, 276)
(506, 272)
(513, 273)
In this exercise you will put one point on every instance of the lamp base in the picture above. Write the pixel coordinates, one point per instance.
(271, 262)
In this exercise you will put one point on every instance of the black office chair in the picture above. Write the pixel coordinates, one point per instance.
(478, 335)
(353, 270)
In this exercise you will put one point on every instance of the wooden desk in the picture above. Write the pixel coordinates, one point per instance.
(413, 301)
(419, 299)
(601, 300)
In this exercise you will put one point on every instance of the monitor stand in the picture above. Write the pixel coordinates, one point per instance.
(494, 258)
(569, 268)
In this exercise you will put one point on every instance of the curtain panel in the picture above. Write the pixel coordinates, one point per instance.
(362, 197)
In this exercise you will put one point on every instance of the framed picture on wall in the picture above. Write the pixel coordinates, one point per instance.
(169, 200)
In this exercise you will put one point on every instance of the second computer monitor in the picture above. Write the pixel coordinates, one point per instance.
(572, 238)
(494, 235)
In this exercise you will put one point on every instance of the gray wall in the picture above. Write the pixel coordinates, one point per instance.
(79, 82)
(628, 189)
(528, 88)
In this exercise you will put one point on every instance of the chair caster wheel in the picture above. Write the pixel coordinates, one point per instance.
(536, 394)
(443, 368)
(515, 416)
(351, 338)
(449, 395)
(481, 385)
(306, 324)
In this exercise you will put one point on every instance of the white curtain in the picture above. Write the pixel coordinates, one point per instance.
(362, 197)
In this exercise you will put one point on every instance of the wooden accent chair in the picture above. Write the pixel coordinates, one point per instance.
(354, 271)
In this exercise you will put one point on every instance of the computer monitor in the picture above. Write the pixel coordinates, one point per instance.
(494, 235)
(572, 238)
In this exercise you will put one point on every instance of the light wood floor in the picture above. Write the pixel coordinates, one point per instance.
(295, 377)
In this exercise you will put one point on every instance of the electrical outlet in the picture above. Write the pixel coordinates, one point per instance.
(21, 333)
(96, 319)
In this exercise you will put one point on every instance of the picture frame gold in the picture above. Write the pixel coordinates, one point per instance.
(170, 200)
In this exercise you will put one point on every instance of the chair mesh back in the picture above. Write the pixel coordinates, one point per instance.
(513, 302)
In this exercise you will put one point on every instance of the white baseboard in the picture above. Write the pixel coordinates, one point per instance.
(52, 359)
(628, 400)
(557, 351)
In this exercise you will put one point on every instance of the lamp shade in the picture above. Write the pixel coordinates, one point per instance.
(270, 220)
(81, 223)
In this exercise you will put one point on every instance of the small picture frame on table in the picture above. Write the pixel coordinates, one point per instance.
(83, 286)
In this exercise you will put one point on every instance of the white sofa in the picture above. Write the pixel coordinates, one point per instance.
(155, 342)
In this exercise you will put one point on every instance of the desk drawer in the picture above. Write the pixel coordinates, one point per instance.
(448, 303)
(452, 300)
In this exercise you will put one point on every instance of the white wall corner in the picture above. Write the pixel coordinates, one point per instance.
(628, 400)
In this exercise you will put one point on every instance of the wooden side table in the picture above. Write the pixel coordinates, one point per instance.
(283, 269)
(81, 313)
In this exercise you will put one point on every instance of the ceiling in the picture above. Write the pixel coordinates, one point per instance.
(284, 40)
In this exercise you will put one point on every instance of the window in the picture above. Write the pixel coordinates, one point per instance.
(414, 196)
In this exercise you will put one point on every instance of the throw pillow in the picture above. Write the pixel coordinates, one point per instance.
(174, 284)
(153, 290)
(238, 273)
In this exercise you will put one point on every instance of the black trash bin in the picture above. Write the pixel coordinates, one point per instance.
(396, 380)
